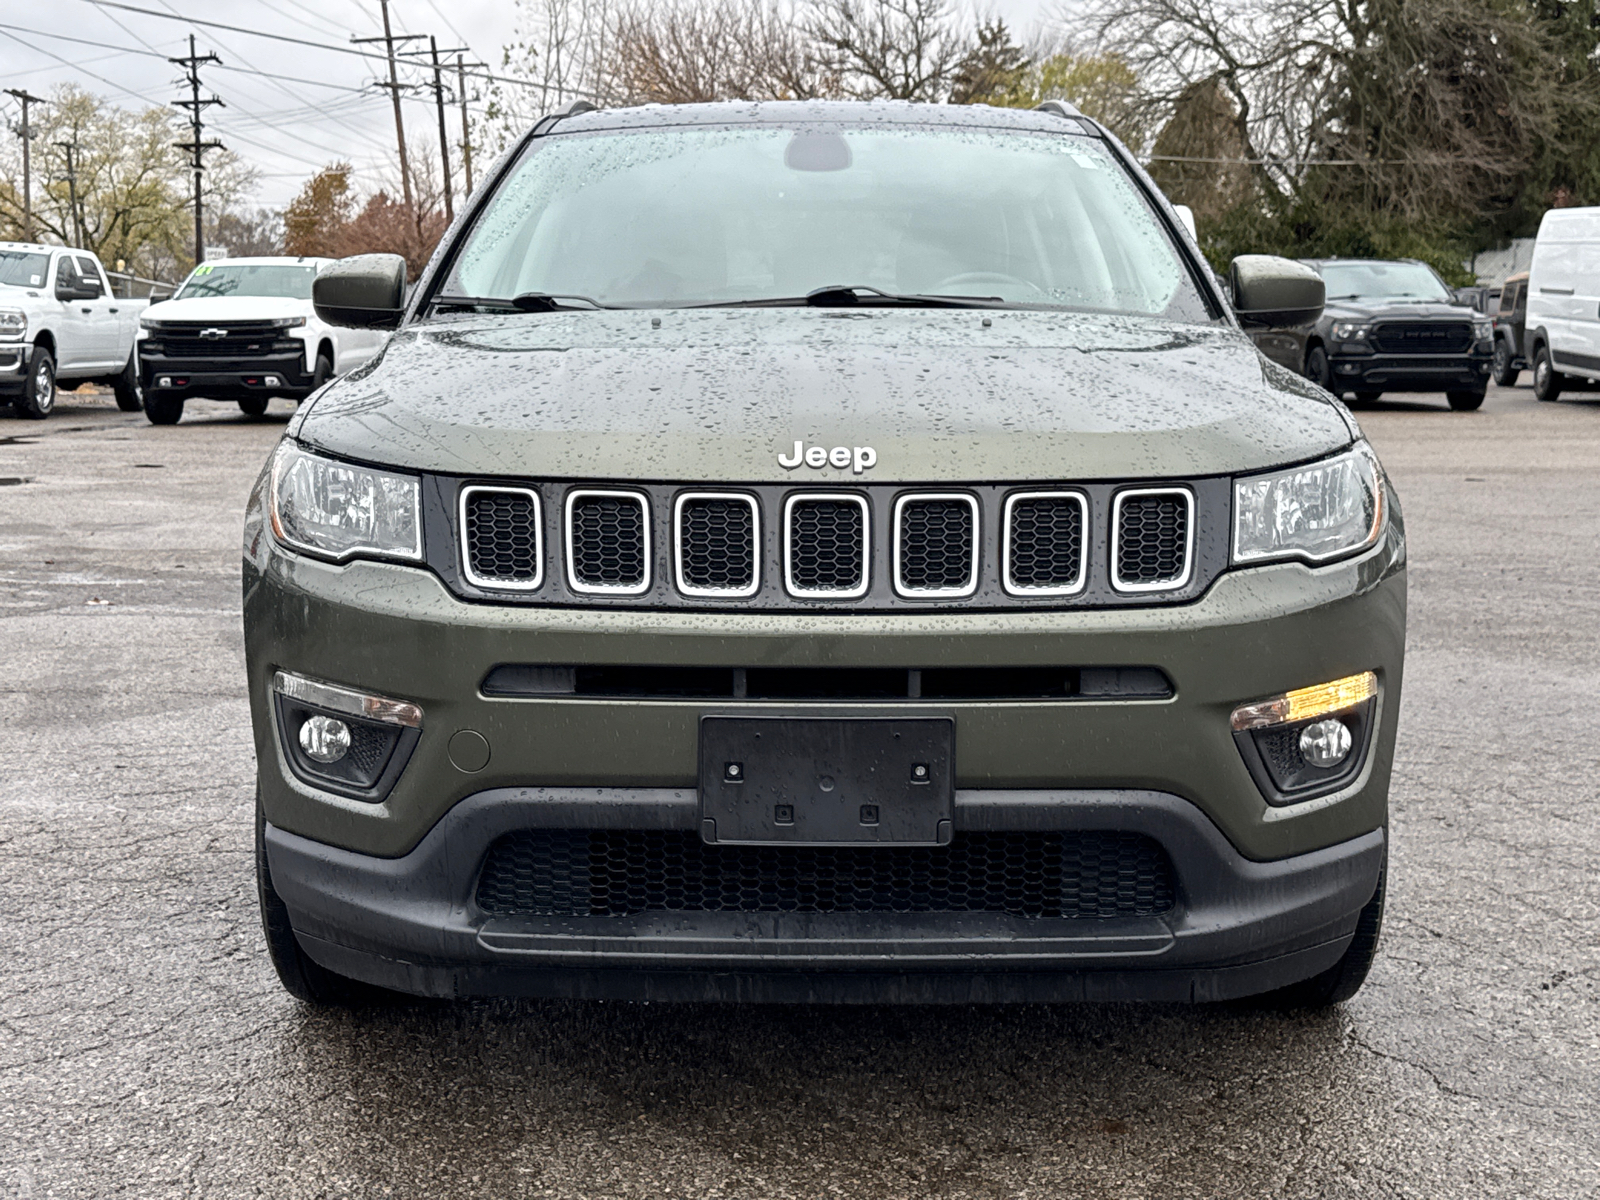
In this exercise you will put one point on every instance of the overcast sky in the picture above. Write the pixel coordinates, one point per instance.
(320, 109)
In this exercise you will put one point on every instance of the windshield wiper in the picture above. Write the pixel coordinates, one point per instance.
(525, 302)
(850, 295)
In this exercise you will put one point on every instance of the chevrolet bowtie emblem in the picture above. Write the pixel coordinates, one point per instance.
(213, 334)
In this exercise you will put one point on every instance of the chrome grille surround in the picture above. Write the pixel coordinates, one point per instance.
(791, 547)
(901, 553)
(1167, 584)
(574, 580)
(467, 522)
(1007, 533)
(679, 538)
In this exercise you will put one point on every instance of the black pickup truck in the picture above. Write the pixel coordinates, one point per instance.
(1393, 326)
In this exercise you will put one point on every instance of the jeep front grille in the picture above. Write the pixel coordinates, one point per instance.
(617, 872)
(502, 534)
(1152, 539)
(1046, 552)
(608, 542)
(825, 546)
(718, 544)
(936, 545)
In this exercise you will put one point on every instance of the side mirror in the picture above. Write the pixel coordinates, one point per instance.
(1275, 293)
(364, 292)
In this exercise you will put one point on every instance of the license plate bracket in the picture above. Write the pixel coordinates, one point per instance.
(827, 781)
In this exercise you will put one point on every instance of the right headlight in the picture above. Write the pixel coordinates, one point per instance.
(1316, 512)
(13, 324)
(338, 510)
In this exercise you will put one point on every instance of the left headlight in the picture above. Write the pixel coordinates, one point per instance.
(13, 324)
(338, 510)
(1315, 512)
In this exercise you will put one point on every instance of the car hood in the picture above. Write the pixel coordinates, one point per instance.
(229, 308)
(1375, 311)
(718, 395)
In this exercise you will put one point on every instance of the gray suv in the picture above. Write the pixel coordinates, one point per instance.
(823, 552)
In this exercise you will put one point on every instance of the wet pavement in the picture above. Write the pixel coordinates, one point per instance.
(147, 1050)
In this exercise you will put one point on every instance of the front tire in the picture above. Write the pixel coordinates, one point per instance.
(163, 408)
(1317, 369)
(254, 406)
(1464, 401)
(126, 386)
(1344, 979)
(1547, 381)
(38, 399)
(1504, 374)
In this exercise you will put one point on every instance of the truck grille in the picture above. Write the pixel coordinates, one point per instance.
(608, 542)
(501, 530)
(236, 340)
(1045, 543)
(718, 545)
(1422, 337)
(1152, 539)
(936, 545)
(613, 873)
(826, 546)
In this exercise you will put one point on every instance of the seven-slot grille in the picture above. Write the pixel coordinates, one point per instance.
(617, 872)
(1152, 539)
(1046, 550)
(1422, 337)
(936, 545)
(608, 542)
(718, 542)
(825, 546)
(502, 537)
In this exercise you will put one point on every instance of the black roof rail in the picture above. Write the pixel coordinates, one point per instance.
(1060, 107)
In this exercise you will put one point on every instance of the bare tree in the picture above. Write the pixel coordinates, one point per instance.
(686, 51)
(889, 49)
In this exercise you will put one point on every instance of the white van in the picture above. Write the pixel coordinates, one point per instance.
(1563, 335)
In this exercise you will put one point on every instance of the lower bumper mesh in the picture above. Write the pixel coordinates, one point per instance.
(582, 873)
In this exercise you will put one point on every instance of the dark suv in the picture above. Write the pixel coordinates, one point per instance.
(1511, 331)
(1393, 326)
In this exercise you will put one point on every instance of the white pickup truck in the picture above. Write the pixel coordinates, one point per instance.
(60, 323)
(243, 329)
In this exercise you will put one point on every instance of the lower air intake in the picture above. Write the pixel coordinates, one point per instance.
(613, 873)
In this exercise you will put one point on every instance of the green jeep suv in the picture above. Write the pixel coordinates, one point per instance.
(822, 552)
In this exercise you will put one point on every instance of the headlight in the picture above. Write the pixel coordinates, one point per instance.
(337, 510)
(149, 323)
(287, 322)
(1316, 512)
(13, 324)
(1483, 331)
(1351, 331)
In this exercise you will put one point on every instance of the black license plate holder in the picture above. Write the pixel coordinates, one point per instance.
(827, 781)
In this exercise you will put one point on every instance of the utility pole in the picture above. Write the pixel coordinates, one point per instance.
(72, 194)
(388, 39)
(27, 135)
(466, 131)
(444, 140)
(195, 145)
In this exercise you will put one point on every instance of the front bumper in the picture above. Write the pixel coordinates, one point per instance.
(413, 923)
(1410, 372)
(227, 378)
(14, 360)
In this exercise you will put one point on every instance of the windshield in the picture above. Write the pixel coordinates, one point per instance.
(291, 281)
(753, 213)
(21, 269)
(1383, 281)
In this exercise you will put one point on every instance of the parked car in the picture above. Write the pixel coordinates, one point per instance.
(822, 552)
(1482, 298)
(1394, 326)
(61, 324)
(1510, 331)
(1564, 302)
(243, 329)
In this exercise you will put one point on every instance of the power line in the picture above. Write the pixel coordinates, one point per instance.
(192, 64)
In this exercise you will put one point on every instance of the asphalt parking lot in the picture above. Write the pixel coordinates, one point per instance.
(147, 1050)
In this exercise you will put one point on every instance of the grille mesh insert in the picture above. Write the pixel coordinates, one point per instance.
(1422, 337)
(592, 872)
(717, 544)
(827, 545)
(608, 541)
(936, 540)
(502, 536)
(1152, 539)
(1045, 547)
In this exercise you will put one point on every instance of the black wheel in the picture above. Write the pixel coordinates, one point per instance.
(1344, 979)
(301, 977)
(253, 406)
(1368, 397)
(1464, 401)
(126, 388)
(38, 399)
(323, 372)
(163, 408)
(1504, 374)
(1317, 367)
(1547, 381)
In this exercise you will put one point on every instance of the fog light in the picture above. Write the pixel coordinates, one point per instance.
(164, 381)
(1326, 743)
(327, 739)
(271, 381)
